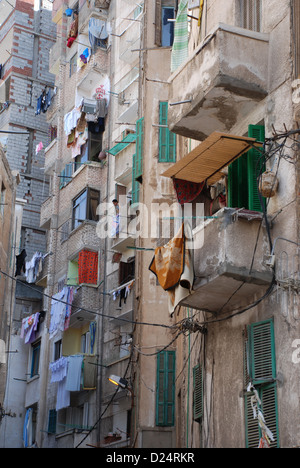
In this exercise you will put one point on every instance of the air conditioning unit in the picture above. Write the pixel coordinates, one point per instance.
(89, 108)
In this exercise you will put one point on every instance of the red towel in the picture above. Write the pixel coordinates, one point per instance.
(88, 267)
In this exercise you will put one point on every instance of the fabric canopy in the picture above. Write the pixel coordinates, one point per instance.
(207, 160)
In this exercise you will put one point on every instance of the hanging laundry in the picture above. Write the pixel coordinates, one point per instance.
(73, 379)
(20, 263)
(29, 327)
(93, 327)
(173, 266)
(88, 267)
(39, 147)
(187, 191)
(61, 306)
(181, 37)
(71, 119)
(59, 369)
(85, 56)
(97, 31)
(34, 267)
(27, 429)
(73, 32)
(63, 397)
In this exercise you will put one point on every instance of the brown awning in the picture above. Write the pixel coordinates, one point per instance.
(207, 160)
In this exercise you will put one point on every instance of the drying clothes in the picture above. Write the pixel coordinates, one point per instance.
(69, 301)
(187, 191)
(168, 261)
(59, 369)
(70, 120)
(93, 327)
(101, 108)
(115, 226)
(61, 306)
(173, 266)
(73, 32)
(73, 382)
(34, 267)
(97, 30)
(20, 263)
(63, 395)
(180, 50)
(88, 267)
(29, 327)
(27, 428)
(39, 147)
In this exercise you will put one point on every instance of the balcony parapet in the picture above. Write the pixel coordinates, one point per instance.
(230, 271)
(220, 83)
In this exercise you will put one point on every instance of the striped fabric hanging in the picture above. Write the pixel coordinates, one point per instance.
(181, 37)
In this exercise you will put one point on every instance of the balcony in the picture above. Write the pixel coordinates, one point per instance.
(222, 82)
(130, 42)
(224, 275)
(47, 210)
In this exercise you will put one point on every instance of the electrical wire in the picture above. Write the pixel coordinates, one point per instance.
(88, 310)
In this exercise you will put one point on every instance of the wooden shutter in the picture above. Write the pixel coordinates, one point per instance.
(165, 389)
(255, 165)
(135, 185)
(139, 149)
(238, 183)
(198, 393)
(167, 139)
(261, 353)
(260, 369)
(158, 11)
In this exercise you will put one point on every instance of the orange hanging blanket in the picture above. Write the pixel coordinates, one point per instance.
(168, 261)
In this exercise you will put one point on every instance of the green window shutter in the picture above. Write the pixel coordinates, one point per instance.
(198, 393)
(262, 364)
(167, 139)
(260, 370)
(165, 389)
(135, 185)
(238, 183)
(139, 149)
(256, 166)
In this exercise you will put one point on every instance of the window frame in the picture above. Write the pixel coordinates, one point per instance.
(87, 203)
(35, 358)
(167, 139)
(260, 338)
(165, 378)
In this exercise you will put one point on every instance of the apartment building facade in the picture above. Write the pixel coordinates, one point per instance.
(184, 112)
(27, 87)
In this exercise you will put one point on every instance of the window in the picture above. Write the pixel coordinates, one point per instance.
(137, 161)
(52, 421)
(243, 174)
(85, 207)
(260, 370)
(165, 389)
(85, 343)
(164, 29)
(66, 175)
(2, 199)
(251, 12)
(57, 350)
(73, 64)
(35, 358)
(91, 149)
(198, 393)
(126, 271)
(167, 139)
